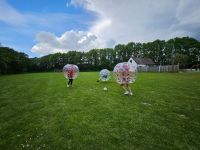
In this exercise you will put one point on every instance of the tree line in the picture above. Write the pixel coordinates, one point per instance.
(184, 51)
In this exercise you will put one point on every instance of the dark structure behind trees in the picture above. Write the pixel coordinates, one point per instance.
(183, 51)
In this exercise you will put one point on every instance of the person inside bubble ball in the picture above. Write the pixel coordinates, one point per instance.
(70, 77)
(126, 80)
(105, 76)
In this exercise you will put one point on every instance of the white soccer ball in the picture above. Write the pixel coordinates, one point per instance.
(105, 89)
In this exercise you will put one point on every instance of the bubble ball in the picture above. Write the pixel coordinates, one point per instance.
(70, 71)
(104, 75)
(124, 73)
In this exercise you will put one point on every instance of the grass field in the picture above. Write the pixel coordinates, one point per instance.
(38, 111)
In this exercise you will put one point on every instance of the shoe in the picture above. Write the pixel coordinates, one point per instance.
(126, 93)
(67, 85)
(131, 93)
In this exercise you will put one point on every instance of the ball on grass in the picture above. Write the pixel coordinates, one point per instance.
(105, 89)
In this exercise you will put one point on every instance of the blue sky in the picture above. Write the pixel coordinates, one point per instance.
(56, 16)
(40, 27)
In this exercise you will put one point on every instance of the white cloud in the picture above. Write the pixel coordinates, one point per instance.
(143, 20)
(130, 20)
(188, 18)
(48, 43)
(117, 21)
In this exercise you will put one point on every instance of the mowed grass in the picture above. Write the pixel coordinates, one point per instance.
(38, 111)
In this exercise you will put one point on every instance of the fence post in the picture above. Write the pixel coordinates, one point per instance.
(178, 67)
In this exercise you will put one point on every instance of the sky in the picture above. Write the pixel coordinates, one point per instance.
(41, 27)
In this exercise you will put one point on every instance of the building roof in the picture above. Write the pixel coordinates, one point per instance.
(143, 61)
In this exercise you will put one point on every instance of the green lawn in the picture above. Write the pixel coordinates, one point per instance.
(38, 111)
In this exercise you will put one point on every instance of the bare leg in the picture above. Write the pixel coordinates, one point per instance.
(123, 86)
(129, 89)
(125, 89)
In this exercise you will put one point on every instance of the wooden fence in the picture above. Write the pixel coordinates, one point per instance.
(167, 68)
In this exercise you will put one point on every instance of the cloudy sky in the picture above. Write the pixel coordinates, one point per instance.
(40, 27)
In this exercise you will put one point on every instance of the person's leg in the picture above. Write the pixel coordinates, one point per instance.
(125, 89)
(123, 86)
(68, 83)
(71, 81)
(129, 89)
